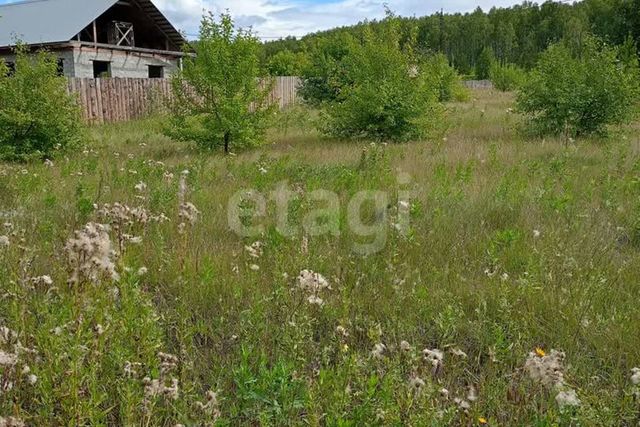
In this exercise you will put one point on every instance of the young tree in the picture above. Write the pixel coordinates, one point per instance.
(218, 97)
(484, 63)
(579, 92)
(37, 114)
(385, 93)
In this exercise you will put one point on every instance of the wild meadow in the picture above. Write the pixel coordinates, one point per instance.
(509, 296)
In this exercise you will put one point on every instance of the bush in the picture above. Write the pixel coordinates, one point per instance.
(389, 97)
(444, 79)
(575, 93)
(507, 77)
(37, 115)
(218, 98)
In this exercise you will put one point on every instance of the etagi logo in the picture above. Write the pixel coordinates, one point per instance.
(247, 212)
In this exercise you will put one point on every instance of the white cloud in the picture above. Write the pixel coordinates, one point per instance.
(280, 18)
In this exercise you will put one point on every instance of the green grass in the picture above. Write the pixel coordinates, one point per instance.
(470, 275)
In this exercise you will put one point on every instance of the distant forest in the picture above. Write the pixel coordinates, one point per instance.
(514, 35)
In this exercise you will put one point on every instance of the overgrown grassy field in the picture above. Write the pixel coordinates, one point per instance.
(515, 247)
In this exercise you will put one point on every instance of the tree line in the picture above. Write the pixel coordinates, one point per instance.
(515, 35)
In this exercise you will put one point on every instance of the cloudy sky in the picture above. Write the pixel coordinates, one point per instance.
(280, 18)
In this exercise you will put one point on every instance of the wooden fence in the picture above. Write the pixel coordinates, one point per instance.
(478, 84)
(121, 99)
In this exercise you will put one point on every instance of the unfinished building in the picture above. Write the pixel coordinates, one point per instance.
(96, 38)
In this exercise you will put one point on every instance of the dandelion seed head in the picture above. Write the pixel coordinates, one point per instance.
(378, 351)
(567, 398)
(635, 376)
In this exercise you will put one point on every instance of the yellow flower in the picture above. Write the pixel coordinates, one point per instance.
(540, 352)
(482, 420)
(345, 348)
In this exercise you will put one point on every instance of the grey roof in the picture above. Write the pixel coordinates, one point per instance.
(52, 21)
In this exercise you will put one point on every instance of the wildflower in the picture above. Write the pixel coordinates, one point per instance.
(130, 369)
(504, 277)
(90, 254)
(482, 420)
(189, 213)
(211, 407)
(99, 329)
(32, 379)
(254, 267)
(405, 346)
(444, 393)
(262, 170)
(378, 351)
(56, 331)
(472, 394)
(6, 335)
(315, 300)
(8, 359)
(141, 187)
(635, 376)
(459, 353)
(42, 281)
(255, 250)
(342, 331)
(48, 163)
(435, 358)
(11, 422)
(463, 404)
(167, 176)
(546, 369)
(168, 362)
(312, 282)
(416, 383)
(540, 352)
(4, 241)
(536, 233)
(142, 271)
(567, 398)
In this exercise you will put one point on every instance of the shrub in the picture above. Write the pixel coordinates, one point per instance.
(444, 79)
(574, 93)
(507, 77)
(37, 115)
(389, 96)
(218, 98)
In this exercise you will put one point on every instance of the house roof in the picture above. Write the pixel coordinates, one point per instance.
(54, 21)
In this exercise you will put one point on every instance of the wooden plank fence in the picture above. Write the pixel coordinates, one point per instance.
(122, 99)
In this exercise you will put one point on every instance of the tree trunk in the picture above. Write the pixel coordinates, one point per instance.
(227, 139)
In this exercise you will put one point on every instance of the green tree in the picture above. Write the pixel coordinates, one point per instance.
(218, 97)
(37, 115)
(574, 93)
(287, 63)
(387, 95)
(484, 63)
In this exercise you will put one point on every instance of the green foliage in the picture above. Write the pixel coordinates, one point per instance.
(324, 75)
(444, 79)
(388, 96)
(579, 92)
(485, 61)
(37, 115)
(507, 77)
(287, 63)
(218, 98)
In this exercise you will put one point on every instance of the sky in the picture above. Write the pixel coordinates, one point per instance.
(272, 19)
